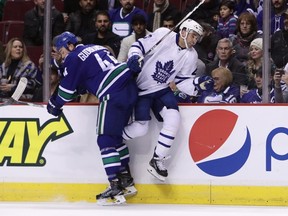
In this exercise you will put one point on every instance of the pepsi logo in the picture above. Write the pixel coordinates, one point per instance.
(219, 143)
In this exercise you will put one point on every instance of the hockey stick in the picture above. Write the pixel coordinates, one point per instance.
(17, 94)
(173, 29)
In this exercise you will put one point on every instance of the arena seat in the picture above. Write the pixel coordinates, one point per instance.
(16, 9)
(10, 29)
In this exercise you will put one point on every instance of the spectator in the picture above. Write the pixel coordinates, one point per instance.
(17, 64)
(226, 58)
(206, 48)
(223, 90)
(246, 6)
(139, 25)
(277, 17)
(34, 24)
(246, 33)
(227, 22)
(121, 17)
(169, 22)
(255, 95)
(279, 44)
(103, 35)
(205, 12)
(82, 21)
(161, 9)
(108, 4)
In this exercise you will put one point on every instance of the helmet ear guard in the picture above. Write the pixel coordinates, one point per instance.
(64, 39)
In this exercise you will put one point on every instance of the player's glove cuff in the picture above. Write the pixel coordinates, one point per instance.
(53, 107)
(135, 64)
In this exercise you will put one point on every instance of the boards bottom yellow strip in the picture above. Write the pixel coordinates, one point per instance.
(148, 194)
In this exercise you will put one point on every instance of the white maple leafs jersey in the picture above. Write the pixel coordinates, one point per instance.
(167, 62)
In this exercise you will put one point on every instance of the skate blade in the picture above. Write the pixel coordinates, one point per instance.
(130, 191)
(153, 172)
(116, 200)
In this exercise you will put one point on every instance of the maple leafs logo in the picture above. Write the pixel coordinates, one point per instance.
(163, 72)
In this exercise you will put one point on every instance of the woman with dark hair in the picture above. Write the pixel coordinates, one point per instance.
(246, 33)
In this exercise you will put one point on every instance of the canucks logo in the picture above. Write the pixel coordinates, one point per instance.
(163, 72)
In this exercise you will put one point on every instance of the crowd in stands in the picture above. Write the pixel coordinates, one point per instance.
(230, 51)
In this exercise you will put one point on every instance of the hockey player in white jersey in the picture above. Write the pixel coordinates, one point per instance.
(174, 59)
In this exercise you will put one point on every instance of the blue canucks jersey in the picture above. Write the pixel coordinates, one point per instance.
(93, 69)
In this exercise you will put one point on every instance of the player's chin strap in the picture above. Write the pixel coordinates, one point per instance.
(184, 38)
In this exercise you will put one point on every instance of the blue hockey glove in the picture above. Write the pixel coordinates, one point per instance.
(134, 64)
(203, 83)
(53, 107)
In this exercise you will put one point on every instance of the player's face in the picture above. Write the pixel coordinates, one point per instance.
(64, 52)
(192, 38)
(17, 50)
(225, 11)
(224, 51)
(102, 23)
(255, 52)
(245, 27)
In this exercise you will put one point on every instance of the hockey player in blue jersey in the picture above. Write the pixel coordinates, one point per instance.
(93, 69)
(174, 59)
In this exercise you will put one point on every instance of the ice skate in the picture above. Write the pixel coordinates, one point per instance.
(113, 195)
(157, 168)
(127, 182)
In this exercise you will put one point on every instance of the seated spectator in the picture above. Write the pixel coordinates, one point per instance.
(246, 6)
(255, 95)
(34, 24)
(169, 22)
(205, 12)
(254, 68)
(223, 90)
(121, 17)
(103, 35)
(279, 44)
(246, 33)
(82, 21)
(226, 58)
(162, 9)
(17, 64)
(227, 22)
(139, 25)
(206, 48)
(278, 7)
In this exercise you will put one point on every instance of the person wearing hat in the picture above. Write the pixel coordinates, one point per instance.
(254, 68)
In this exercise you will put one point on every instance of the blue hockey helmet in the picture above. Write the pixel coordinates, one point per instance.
(64, 39)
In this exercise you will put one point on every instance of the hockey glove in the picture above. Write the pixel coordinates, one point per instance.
(53, 107)
(203, 83)
(134, 64)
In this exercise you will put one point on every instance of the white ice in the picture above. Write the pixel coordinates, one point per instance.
(91, 209)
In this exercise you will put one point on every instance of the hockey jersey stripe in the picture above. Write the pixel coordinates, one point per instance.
(110, 79)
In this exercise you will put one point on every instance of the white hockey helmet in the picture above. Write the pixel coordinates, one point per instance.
(191, 25)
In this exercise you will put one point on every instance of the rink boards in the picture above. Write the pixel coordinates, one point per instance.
(232, 154)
